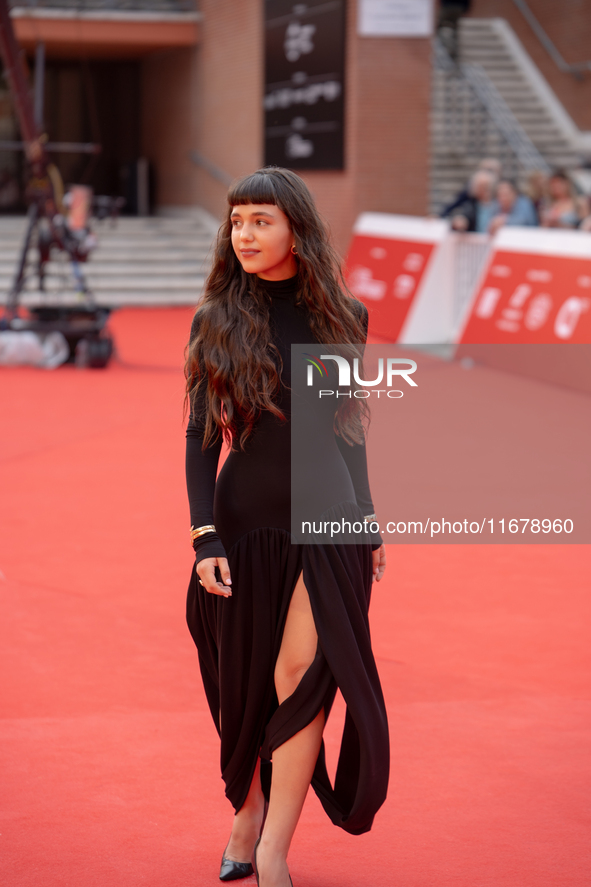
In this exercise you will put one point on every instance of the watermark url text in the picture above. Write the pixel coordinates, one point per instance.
(433, 528)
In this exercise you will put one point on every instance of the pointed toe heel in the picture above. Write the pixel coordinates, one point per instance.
(254, 860)
(233, 871)
(254, 864)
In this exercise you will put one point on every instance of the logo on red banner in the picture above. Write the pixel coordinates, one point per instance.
(386, 275)
(532, 298)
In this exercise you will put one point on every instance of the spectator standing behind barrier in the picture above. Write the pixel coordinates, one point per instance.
(491, 164)
(537, 190)
(510, 208)
(473, 214)
(561, 210)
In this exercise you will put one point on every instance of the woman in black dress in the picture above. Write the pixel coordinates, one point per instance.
(279, 626)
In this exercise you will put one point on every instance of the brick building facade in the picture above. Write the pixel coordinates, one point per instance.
(210, 99)
(196, 67)
(170, 86)
(388, 86)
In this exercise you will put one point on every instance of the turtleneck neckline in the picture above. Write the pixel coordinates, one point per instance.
(280, 289)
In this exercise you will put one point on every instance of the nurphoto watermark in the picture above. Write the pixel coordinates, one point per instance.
(437, 445)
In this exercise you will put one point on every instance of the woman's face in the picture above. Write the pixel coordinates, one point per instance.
(262, 240)
(559, 188)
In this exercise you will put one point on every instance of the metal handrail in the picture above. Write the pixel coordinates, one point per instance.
(575, 69)
(485, 99)
(522, 146)
(220, 175)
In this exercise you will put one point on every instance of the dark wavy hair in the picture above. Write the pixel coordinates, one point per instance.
(231, 351)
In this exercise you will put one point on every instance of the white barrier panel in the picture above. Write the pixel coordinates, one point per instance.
(535, 288)
(401, 268)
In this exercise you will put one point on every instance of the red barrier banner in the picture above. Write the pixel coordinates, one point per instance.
(392, 268)
(536, 288)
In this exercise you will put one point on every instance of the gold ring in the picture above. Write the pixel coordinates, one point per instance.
(201, 583)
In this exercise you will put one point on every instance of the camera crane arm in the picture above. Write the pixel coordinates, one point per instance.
(84, 328)
(45, 188)
(17, 82)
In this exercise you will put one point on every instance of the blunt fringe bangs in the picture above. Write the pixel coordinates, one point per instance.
(256, 188)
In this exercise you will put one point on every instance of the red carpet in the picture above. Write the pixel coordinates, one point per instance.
(109, 757)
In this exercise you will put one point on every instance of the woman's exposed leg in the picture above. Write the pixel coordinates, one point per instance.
(294, 761)
(247, 822)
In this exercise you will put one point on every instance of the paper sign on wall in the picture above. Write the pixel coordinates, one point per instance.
(395, 18)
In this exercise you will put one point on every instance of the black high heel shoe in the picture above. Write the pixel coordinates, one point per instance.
(254, 863)
(254, 860)
(230, 870)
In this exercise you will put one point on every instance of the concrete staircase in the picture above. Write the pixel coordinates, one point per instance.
(160, 260)
(493, 45)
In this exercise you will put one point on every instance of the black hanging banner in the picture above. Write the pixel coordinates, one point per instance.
(304, 83)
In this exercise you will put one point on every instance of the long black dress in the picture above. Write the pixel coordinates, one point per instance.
(238, 638)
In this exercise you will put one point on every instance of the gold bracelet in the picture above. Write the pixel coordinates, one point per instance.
(201, 531)
(369, 517)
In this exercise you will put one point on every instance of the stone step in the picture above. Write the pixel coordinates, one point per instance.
(520, 97)
(525, 106)
(497, 66)
(115, 299)
(485, 37)
(176, 263)
(106, 282)
(475, 24)
(126, 253)
(171, 258)
(116, 234)
(158, 260)
(440, 123)
(485, 54)
(123, 223)
(547, 147)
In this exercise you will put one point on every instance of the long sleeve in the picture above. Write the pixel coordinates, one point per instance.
(201, 471)
(356, 458)
(355, 455)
